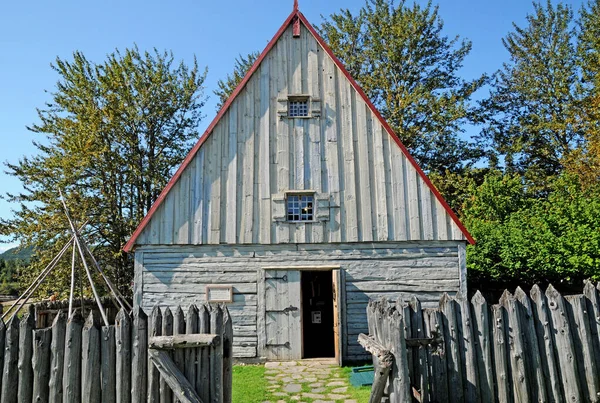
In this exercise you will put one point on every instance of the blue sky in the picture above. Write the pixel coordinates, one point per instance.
(33, 34)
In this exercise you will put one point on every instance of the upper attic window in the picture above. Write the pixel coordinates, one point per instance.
(298, 107)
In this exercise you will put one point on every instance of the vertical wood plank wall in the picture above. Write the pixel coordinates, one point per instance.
(178, 275)
(254, 154)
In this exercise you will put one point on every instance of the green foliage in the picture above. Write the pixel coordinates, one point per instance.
(110, 138)
(532, 116)
(409, 69)
(227, 86)
(527, 240)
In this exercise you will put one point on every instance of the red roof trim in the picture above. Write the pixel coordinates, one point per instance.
(130, 244)
(387, 128)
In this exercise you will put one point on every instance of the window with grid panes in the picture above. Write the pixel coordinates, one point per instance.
(300, 207)
(297, 108)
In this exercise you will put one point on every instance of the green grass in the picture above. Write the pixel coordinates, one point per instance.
(250, 386)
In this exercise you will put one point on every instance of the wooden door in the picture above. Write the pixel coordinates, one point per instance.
(336, 278)
(282, 315)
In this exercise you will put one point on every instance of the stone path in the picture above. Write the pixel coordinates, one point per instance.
(316, 381)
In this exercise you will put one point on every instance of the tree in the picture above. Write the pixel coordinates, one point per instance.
(532, 113)
(112, 135)
(410, 70)
(227, 86)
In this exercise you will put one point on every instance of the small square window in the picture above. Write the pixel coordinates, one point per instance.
(300, 207)
(298, 107)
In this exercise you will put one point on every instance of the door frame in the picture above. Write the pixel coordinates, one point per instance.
(338, 280)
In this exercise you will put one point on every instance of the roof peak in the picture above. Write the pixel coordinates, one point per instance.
(295, 5)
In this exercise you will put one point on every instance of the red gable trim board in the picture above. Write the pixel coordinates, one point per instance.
(295, 17)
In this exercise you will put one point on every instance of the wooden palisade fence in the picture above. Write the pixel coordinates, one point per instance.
(538, 348)
(78, 360)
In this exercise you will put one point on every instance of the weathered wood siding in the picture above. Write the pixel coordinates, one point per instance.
(178, 275)
(367, 188)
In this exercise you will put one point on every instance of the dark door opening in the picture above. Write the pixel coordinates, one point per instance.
(317, 314)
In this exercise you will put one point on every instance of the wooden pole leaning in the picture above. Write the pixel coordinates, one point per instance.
(72, 291)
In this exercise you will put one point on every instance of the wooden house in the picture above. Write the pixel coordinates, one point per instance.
(296, 206)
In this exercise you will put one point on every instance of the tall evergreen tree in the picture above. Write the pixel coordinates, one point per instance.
(410, 70)
(112, 135)
(228, 85)
(533, 117)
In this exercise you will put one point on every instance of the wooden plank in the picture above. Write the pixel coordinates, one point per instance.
(453, 359)
(264, 184)
(90, 359)
(166, 395)
(230, 220)
(534, 363)
(582, 340)
(381, 198)
(57, 358)
(412, 191)
(365, 190)
(349, 206)
(72, 367)
(181, 387)
(123, 361)
(183, 341)
(565, 349)
(501, 362)
(155, 331)
(108, 362)
(439, 369)
(191, 327)
(483, 347)
(520, 376)
(593, 307)
(139, 356)
(399, 199)
(198, 200)
(216, 356)
(227, 355)
(467, 348)
(545, 342)
(41, 364)
(26, 327)
(421, 366)
(203, 367)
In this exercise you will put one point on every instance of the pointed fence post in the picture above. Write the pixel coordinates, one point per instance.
(593, 307)
(395, 341)
(467, 348)
(153, 373)
(10, 376)
(451, 340)
(123, 362)
(179, 328)
(191, 327)
(139, 367)
(166, 395)
(108, 352)
(41, 364)
(57, 358)
(203, 368)
(564, 345)
(483, 347)
(227, 341)
(216, 356)
(501, 362)
(421, 375)
(439, 368)
(2, 350)
(25, 355)
(72, 367)
(90, 364)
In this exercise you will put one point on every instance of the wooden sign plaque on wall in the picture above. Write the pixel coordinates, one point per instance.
(219, 293)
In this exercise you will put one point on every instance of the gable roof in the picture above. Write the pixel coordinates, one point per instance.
(296, 17)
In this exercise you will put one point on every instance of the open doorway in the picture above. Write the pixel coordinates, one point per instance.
(317, 314)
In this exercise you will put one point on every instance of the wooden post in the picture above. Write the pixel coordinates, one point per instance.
(108, 365)
(534, 362)
(564, 345)
(90, 363)
(153, 373)
(72, 367)
(400, 371)
(593, 307)
(41, 365)
(139, 358)
(385, 359)
(467, 349)
(11, 359)
(216, 356)
(520, 375)
(2, 343)
(582, 339)
(227, 355)
(421, 365)
(439, 369)
(166, 395)
(123, 357)
(503, 380)
(451, 335)
(57, 358)
(483, 347)
(203, 368)
(25, 355)
(191, 327)
(545, 337)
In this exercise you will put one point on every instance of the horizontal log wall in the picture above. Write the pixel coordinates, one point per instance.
(170, 276)
(77, 360)
(230, 191)
(527, 348)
